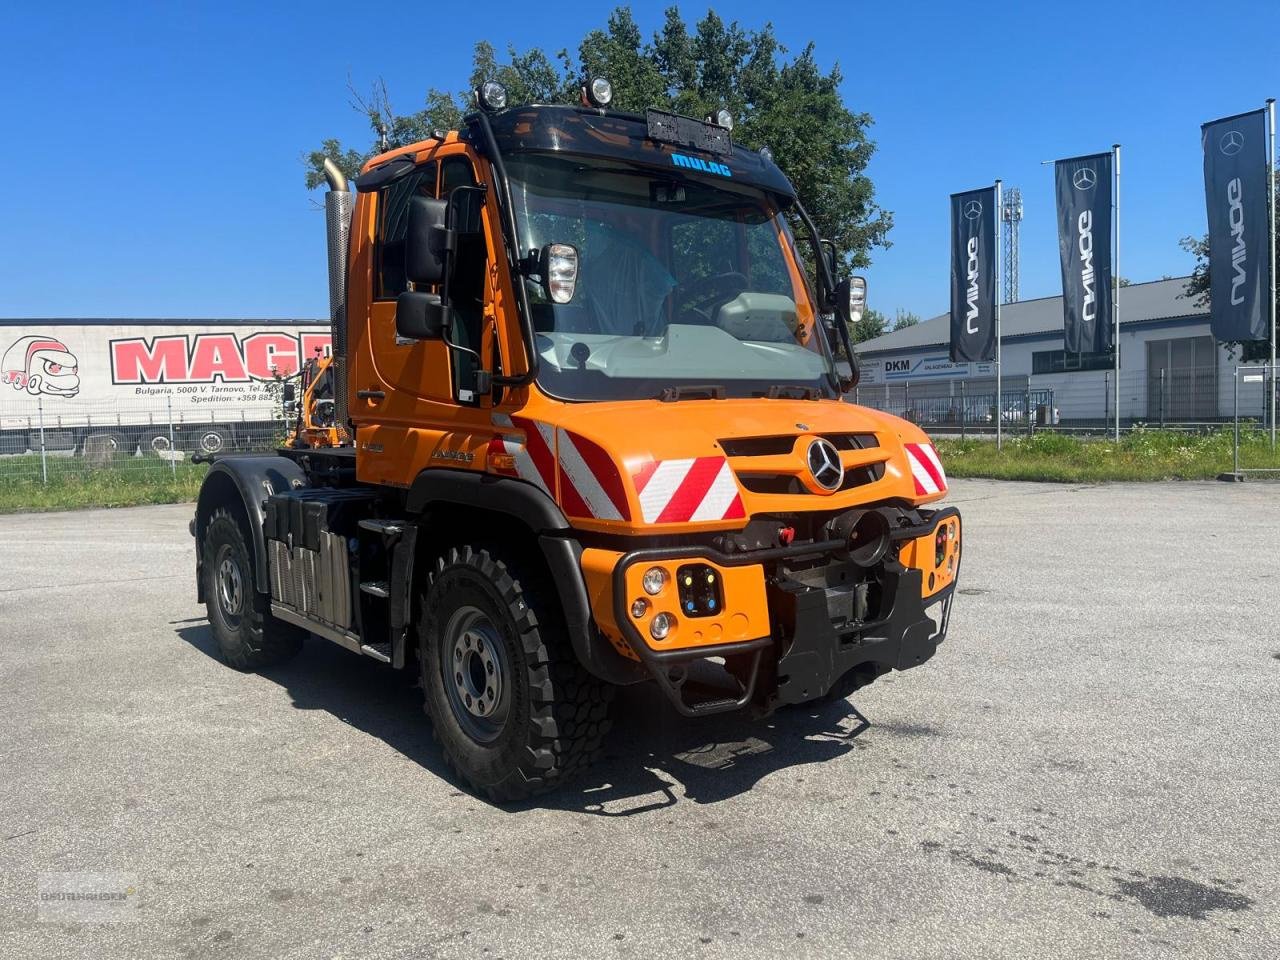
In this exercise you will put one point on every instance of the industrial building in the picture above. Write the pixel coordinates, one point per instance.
(1171, 368)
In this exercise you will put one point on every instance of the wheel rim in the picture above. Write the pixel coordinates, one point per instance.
(476, 674)
(159, 444)
(230, 587)
(211, 441)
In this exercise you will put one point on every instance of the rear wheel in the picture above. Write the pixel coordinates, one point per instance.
(513, 710)
(209, 439)
(248, 637)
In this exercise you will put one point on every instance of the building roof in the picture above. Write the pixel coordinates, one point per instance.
(1139, 303)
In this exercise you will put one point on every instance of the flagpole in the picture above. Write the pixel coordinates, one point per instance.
(1271, 233)
(1115, 293)
(999, 378)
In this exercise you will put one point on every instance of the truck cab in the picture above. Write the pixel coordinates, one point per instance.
(590, 429)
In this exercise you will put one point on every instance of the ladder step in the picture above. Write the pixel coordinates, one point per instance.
(388, 528)
(379, 651)
(377, 588)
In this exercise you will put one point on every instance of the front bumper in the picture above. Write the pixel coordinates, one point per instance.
(830, 624)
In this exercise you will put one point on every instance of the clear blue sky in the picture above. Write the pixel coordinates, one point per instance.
(152, 153)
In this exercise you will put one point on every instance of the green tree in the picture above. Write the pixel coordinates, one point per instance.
(1197, 286)
(789, 103)
(905, 318)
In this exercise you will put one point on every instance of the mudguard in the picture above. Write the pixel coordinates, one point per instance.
(248, 481)
(562, 553)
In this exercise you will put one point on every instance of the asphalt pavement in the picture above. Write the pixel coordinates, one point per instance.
(1088, 768)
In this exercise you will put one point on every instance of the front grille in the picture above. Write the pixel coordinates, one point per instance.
(777, 484)
(775, 446)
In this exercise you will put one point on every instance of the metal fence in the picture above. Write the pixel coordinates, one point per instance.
(1251, 386)
(963, 406)
(47, 438)
(1080, 402)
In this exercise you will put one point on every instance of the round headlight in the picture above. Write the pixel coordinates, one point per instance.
(639, 607)
(724, 118)
(600, 92)
(661, 626)
(492, 95)
(655, 578)
(766, 152)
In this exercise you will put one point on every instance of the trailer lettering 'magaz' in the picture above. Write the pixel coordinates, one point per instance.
(585, 424)
(210, 357)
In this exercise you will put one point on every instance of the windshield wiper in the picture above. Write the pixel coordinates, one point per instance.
(791, 391)
(711, 391)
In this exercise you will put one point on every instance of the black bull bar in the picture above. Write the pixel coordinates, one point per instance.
(812, 647)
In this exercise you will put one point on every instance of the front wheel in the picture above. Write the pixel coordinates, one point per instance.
(513, 710)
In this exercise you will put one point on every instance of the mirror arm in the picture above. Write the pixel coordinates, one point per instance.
(506, 206)
(829, 284)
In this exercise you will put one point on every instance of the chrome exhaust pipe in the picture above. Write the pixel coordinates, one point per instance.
(337, 225)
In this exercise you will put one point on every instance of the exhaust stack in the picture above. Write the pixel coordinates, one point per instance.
(337, 225)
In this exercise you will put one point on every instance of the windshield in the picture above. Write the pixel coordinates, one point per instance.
(680, 283)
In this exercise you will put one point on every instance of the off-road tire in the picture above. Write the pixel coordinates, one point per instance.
(248, 636)
(557, 715)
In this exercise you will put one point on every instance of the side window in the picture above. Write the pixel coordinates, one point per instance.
(393, 221)
(466, 286)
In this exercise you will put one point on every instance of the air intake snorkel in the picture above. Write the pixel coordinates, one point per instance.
(337, 225)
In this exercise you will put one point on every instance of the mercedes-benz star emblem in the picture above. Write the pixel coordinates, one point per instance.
(1232, 142)
(973, 210)
(1084, 178)
(825, 465)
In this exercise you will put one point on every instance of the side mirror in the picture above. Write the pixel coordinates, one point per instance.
(427, 243)
(421, 316)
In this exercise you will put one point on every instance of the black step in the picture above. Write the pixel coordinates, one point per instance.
(376, 588)
(388, 528)
(379, 651)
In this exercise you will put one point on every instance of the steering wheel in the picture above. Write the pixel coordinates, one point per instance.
(704, 296)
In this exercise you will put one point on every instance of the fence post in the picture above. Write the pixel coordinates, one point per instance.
(1236, 417)
(44, 460)
(1027, 410)
(964, 405)
(173, 449)
(906, 401)
(1162, 397)
(1106, 399)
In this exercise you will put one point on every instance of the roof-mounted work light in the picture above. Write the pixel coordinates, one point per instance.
(597, 92)
(722, 118)
(491, 95)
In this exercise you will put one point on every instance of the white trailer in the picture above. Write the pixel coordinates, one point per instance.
(120, 386)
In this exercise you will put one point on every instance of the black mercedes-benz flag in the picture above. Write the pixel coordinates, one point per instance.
(973, 275)
(1235, 193)
(1083, 188)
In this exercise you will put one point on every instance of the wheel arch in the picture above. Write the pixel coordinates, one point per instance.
(520, 513)
(244, 483)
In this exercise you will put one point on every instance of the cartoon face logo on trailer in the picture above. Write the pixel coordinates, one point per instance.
(41, 364)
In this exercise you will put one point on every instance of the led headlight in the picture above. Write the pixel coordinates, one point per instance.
(599, 92)
(655, 578)
(661, 626)
(491, 95)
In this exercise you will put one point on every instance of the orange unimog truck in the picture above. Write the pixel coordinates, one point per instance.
(591, 430)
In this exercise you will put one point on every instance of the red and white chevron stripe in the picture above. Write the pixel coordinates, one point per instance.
(586, 477)
(926, 468)
(681, 491)
(590, 484)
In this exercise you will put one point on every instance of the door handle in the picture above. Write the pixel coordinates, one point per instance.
(371, 395)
